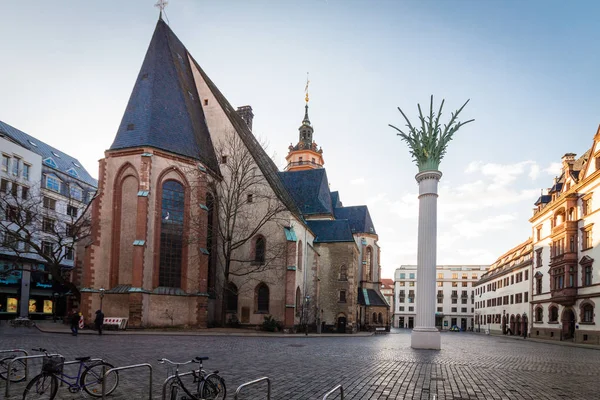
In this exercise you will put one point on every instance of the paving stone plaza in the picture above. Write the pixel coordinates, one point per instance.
(469, 366)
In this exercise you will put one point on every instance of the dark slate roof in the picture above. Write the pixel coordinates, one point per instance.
(358, 217)
(543, 199)
(328, 231)
(335, 200)
(262, 159)
(164, 109)
(64, 163)
(375, 299)
(310, 190)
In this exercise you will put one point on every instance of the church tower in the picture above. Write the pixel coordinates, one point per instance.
(304, 155)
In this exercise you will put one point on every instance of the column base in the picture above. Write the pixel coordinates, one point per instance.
(426, 338)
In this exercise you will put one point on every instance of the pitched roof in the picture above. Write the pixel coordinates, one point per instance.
(262, 159)
(328, 231)
(164, 109)
(370, 297)
(358, 217)
(63, 161)
(388, 283)
(335, 199)
(309, 189)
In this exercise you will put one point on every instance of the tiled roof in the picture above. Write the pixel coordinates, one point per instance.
(309, 189)
(164, 109)
(373, 298)
(335, 200)
(327, 231)
(64, 162)
(358, 217)
(516, 256)
(388, 283)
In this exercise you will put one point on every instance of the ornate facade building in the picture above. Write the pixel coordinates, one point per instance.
(503, 293)
(566, 283)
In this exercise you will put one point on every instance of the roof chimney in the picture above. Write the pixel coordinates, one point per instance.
(247, 115)
(568, 160)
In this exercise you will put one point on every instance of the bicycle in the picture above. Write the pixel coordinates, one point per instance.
(17, 369)
(20, 321)
(89, 378)
(210, 386)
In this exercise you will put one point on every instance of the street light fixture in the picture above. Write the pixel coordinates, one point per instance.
(101, 297)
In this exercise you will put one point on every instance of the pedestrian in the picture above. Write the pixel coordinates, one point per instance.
(74, 322)
(99, 321)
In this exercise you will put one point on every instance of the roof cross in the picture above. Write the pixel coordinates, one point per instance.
(161, 4)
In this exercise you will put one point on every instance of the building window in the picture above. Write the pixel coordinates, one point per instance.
(411, 309)
(553, 313)
(49, 203)
(440, 300)
(454, 301)
(441, 275)
(69, 254)
(223, 159)
(5, 162)
(48, 225)
(374, 318)
(440, 309)
(411, 283)
(454, 275)
(342, 296)
(539, 314)
(464, 284)
(454, 284)
(15, 166)
(231, 297)
(474, 276)
(453, 309)
(369, 264)
(25, 174)
(343, 273)
(171, 234)
(465, 276)
(70, 230)
(75, 192)
(401, 308)
(3, 185)
(300, 255)
(24, 193)
(47, 248)
(538, 233)
(262, 298)
(249, 198)
(72, 211)
(587, 205)
(259, 250)
(538, 285)
(440, 284)
(402, 276)
(588, 275)
(587, 237)
(52, 183)
(463, 309)
(14, 190)
(587, 314)
(411, 276)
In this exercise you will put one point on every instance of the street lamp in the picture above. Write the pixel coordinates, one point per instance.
(54, 298)
(306, 299)
(101, 297)
(525, 325)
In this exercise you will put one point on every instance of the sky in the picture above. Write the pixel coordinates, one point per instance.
(529, 69)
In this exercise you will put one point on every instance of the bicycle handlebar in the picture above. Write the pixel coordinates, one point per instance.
(163, 360)
(40, 349)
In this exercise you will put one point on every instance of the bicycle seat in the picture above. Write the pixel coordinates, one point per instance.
(201, 358)
(82, 358)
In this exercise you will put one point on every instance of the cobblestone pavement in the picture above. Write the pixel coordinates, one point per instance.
(469, 366)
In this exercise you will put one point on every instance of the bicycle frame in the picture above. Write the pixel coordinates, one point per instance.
(77, 378)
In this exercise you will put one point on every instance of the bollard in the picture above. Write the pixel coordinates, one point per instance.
(110, 371)
(237, 392)
(335, 389)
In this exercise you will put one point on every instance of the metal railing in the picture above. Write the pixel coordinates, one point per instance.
(170, 378)
(110, 371)
(10, 363)
(334, 390)
(254, 382)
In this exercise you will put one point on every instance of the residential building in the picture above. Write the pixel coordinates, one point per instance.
(387, 290)
(38, 178)
(455, 295)
(503, 293)
(565, 284)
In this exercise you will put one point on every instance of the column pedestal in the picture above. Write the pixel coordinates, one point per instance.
(425, 335)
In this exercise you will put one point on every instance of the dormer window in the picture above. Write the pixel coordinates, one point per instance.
(53, 183)
(56, 154)
(50, 162)
(73, 173)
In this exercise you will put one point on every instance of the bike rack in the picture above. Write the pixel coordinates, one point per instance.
(124, 368)
(77, 362)
(335, 389)
(170, 378)
(254, 382)
(7, 394)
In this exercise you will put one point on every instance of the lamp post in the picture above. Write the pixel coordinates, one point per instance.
(504, 322)
(306, 301)
(525, 325)
(54, 298)
(101, 297)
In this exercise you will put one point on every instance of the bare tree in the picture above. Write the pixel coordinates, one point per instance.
(40, 228)
(243, 206)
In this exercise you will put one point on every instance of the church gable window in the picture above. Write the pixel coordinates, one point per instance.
(259, 249)
(171, 234)
(262, 298)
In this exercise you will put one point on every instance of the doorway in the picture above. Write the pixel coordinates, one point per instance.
(401, 322)
(341, 325)
(411, 322)
(463, 324)
(568, 324)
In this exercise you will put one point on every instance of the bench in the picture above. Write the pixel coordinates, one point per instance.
(118, 323)
(380, 329)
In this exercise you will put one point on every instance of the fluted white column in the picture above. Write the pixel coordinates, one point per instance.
(425, 335)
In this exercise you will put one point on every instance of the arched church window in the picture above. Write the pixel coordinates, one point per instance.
(259, 250)
(262, 298)
(210, 237)
(298, 301)
(171, 234)
(553, 314)
(231, 296)
(369, 264)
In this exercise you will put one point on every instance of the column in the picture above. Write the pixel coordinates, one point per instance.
(425, 335)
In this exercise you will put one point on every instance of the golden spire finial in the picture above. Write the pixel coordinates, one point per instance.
(306, 89)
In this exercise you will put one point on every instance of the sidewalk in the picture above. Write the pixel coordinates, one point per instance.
(51, 327)
(554, 342)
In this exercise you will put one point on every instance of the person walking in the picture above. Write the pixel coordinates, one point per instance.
(74, 322)
(99, 321)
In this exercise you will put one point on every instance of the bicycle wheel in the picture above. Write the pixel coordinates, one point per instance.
(213, 388)
(91, 379)
(17, 369)
(43, 386)
(177, 394)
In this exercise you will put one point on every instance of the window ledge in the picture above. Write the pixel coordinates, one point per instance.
(261, 312)
(587, 323)
(553, 322)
